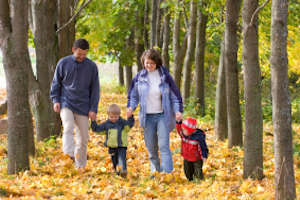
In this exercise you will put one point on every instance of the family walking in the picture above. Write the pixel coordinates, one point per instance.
(75, 95)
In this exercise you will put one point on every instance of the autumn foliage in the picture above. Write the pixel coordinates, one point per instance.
(53, 176)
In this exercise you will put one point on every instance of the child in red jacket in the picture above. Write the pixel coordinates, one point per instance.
(193, 148)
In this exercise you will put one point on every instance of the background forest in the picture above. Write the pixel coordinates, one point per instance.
(236, 63)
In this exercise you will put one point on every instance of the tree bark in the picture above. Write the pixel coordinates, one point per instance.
(190, 54)
(153, 29)
(199, 61)
(235, 132)
(44, 30)
(178, 49)
(253, 147)
(166, 40)
(221, 122)
(13, 43)
(281, 105)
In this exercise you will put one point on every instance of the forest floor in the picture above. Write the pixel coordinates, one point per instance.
(53, 176)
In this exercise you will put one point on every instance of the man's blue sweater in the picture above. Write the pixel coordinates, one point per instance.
(75, 85)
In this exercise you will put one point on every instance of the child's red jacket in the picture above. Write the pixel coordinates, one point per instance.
(193, 147)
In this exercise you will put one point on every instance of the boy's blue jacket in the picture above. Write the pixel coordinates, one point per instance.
(199, 136)
(75, 85)
(116, 133)
(171, 98)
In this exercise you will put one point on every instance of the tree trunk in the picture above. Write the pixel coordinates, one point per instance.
(166, 40)
(128, 66)
(190, 54)
(46, 122)
(199, 61)
(178, 50)
(3, 107)
(146, 21)
(128, 76)
(283, 144)
(121, 73)
(66, 37)
(153, 30)
(13, 43)
(139, 45)
(158, 24)
(235, 132)
(221, 122)
(253, 152)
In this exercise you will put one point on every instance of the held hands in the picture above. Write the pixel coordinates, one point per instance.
(178, 116)
(129, 112)
(92, 115)
(56, 107)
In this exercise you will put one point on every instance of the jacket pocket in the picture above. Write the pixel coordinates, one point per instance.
(112, 140)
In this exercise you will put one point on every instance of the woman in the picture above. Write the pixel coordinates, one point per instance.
(160, 107)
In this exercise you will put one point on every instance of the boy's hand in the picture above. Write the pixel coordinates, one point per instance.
(178, 116)
(204, 159)
(129, 112)
(93, 125)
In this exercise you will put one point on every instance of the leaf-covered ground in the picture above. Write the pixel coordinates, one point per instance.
(53, 176)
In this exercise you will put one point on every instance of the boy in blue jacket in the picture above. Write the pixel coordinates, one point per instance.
(116, 130)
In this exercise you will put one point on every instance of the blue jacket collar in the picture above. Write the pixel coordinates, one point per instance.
(144, 73)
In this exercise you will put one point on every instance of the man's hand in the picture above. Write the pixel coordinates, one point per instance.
(56, 107)
(129, 112)
(178, 116)
(92, 115)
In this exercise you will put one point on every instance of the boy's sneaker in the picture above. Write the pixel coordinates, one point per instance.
(123, 173)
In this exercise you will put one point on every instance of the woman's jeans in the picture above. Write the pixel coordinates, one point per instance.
(157, 136)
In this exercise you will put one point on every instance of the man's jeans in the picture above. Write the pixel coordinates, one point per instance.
(70, 121)
(156, 137)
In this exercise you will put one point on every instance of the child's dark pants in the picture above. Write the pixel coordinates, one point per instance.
(118, 157)
(193, 169)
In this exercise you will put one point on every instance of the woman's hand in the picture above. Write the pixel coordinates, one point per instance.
(129, 112)
(178, 116)
(92, 115)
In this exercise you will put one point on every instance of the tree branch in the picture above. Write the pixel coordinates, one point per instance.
(76, 4)
(84, 4)
(256, 11)
(186, 21)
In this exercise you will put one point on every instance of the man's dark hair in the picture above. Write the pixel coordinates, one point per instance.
(81, 43)
(153, 55)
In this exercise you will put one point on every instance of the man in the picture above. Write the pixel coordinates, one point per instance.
(75, 95)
